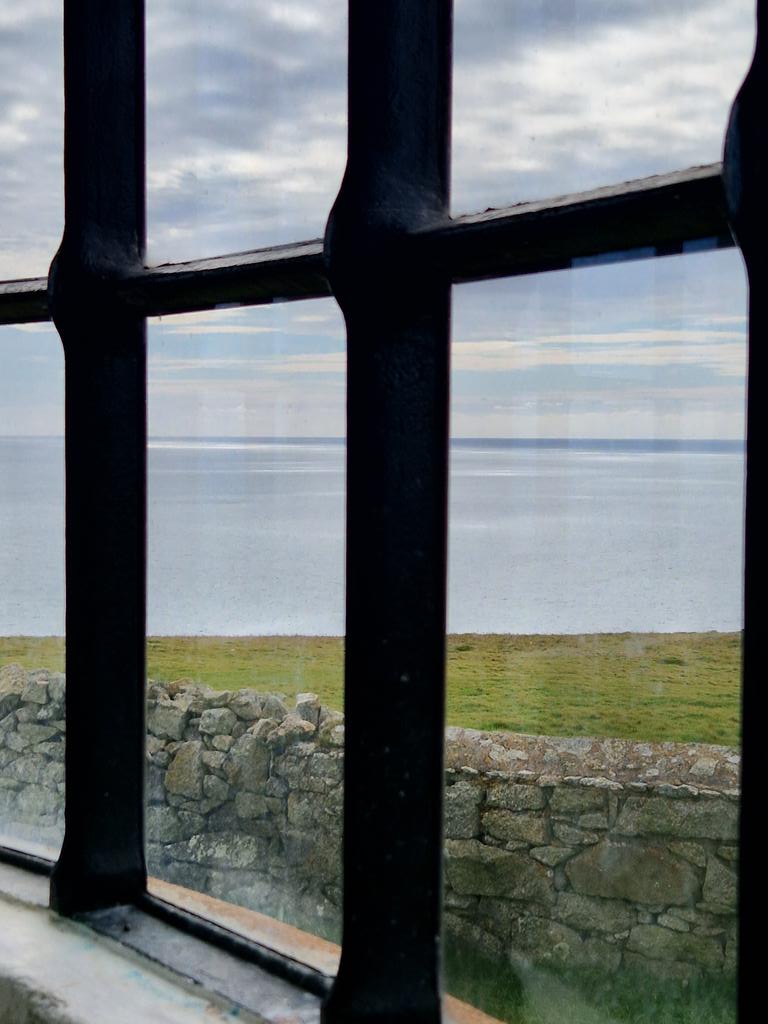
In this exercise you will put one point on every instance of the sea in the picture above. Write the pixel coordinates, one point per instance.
(246, 536)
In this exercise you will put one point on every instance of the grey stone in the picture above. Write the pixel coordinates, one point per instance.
(215, 791)
(248, 764)
(569, 802)
(184, 776)
(729, 853)
(36, 801)
(222, 743)
(673, 922)
(662, 944)
(515, 796)
(164, 825)
(13, 681)
(692, 852)
(509, 826)
(35, 692)
(15, 742)
(264, 728)
(683, 819)
(720, 886)
(217, 721)
(640, 874)
(552, 942)
(291, 729)
(590, 913)
(250, 805)
(668, 970)
(28, 768)
(552, 855)
(572, 836)
(247, 704)
(214, 759)
(52, 774)
(167, 720)
(308, 708)
(27, 713)
(462, 810)
(57, 687)
(473, 869)
(52, 749)
(273, 707)
(32, 733)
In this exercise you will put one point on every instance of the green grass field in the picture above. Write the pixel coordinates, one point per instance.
(656, 686)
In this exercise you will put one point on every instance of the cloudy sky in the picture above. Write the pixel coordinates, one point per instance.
(246, 136)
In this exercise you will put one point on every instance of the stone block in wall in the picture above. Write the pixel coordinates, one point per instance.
(35, 801)
(572, 802)
(13, 681)
(592, 913)
(693, 852)
(308, 708)
(462, 810)
(657, 943)
(515, 796)
(248, 765)
(221, 850)
(35, 692)
(666, 970)
(572, 836)
(248, 705)
(27, 769)
(165, 825)
(217, 722)
(250, 805)
(641, 874)
(473, 869)
(551, 856)
(683, 819)
(550, 941)
(720, 890)
(511, 826)
(168, 719)
(184, 776)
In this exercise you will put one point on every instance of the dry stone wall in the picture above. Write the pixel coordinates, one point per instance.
(583, 852)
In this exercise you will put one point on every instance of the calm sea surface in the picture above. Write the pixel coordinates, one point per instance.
(247, 536)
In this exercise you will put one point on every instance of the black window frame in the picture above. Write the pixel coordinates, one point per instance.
(390, 237)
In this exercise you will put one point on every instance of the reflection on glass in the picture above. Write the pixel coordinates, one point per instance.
(31, 136)
(595, 616)
(245, 608)
(32, 686)
(560, 96)
(246, 123)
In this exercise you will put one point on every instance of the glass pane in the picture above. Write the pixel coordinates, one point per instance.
(246, 123)
(246, 518)
(32, 594)
(31, 137)
(595, 620)
(559, 96)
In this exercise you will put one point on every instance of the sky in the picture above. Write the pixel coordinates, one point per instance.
(246, 147)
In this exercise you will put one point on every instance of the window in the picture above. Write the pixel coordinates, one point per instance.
(390, 258)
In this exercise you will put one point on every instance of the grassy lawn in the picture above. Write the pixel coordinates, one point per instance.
(657, 686)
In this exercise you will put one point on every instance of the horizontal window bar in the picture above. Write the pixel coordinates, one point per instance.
(657, 216)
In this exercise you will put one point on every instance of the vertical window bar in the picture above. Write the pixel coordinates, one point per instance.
(397, 316)
(745, 169)
(102, 858)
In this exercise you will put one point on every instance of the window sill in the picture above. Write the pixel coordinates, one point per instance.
(140, 968)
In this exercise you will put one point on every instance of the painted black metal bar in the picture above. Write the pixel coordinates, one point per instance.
(745, 171)
(651, 217)
(23, 859)
(397, 316)
(24, 302)
(654, 216)
(102, 858)
(282, 966)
